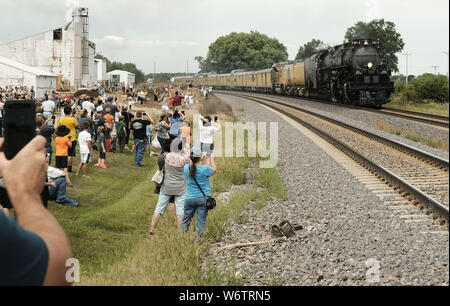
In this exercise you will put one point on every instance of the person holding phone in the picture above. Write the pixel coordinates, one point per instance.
(34, 248)
(207, 134)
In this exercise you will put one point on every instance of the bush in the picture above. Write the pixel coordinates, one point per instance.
(431, 87)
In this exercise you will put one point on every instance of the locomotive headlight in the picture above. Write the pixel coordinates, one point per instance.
(370, 65)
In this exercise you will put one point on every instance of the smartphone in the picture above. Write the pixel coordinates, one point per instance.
(216, 119)
(19, 123)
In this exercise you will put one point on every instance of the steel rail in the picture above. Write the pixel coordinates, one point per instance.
(433, 159)
(393, 180)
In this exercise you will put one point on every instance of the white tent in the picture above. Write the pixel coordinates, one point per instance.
(17, 74)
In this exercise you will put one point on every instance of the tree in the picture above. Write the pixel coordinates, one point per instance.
(309, 49)
(249, 51)
(385, 33)
(431, 87)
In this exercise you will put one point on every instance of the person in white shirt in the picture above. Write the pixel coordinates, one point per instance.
(130, 103)
(89, 106)
(206, 134)
(49, 109)
(57, 181)
(85, 142)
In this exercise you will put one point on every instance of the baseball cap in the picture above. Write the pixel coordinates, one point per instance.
(110, 98)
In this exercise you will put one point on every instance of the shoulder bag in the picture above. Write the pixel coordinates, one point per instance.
(210, 202)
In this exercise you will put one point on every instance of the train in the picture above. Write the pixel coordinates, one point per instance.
(353, 73)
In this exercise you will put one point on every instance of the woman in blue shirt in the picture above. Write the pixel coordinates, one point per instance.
(195, 201)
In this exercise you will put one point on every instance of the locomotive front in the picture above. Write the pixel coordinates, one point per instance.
(371, 84)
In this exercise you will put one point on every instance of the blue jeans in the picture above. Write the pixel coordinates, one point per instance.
(191, 207)
(139, 150)
(58, 194)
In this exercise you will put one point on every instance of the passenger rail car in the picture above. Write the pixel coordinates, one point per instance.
(352, 73)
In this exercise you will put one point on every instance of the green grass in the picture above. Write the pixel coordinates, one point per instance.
(115, 212)
(431, 142)
(441, 109)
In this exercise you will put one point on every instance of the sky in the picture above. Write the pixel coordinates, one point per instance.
(170, 33)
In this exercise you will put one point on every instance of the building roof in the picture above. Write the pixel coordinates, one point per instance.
(120, 71)
(26, 68)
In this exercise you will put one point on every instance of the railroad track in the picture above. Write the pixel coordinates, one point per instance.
(420, 177)
(414, 116)
(435, 120)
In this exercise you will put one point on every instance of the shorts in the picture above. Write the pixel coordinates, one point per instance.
(164, 199)
(61, 162)
(72, 150)
(102, 155)
(85, 158)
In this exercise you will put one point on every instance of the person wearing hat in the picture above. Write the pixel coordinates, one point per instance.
(195, 202)
(62, 144)
(174, 183)
(72, 124)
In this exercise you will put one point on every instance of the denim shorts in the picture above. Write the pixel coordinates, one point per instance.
(163, 200)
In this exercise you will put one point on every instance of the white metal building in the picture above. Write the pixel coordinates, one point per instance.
(17, 74)
(120, 77)
(65, 51)
(101, 70)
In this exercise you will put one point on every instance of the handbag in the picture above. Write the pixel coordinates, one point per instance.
(210, 202)
(158, 177)
(155, 143)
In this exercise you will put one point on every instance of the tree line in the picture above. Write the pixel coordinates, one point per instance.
(254, 50)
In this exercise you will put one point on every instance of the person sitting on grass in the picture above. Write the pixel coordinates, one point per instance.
(85, 141)
(101, 148)
(62, 145)
(57, 180)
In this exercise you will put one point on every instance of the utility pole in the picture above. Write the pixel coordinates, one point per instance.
(448, 65)
(407, 56)
(435, 69)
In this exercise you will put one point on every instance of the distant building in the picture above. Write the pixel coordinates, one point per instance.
(101, 70)
(17, 74)
(119, 77)
(65, 52)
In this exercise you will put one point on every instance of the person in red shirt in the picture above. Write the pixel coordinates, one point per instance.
(177, 100)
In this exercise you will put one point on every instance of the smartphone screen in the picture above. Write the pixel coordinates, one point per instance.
(19, 123)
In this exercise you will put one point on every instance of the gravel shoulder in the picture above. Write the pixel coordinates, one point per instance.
(345, 225)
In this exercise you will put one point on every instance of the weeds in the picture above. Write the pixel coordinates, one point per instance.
(431, 142)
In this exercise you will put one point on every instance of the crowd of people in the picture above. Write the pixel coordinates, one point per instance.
(66, 125)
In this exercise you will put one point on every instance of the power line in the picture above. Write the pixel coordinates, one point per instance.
(448, 65)
(435, 69)
(407, 57)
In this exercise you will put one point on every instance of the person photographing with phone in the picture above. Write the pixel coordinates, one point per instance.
(207, 131)
(34, 248)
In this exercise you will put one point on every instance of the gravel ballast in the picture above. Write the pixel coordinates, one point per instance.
(345, 225)
(369, 121)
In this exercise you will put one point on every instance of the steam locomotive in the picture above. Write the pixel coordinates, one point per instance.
(352, 73)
